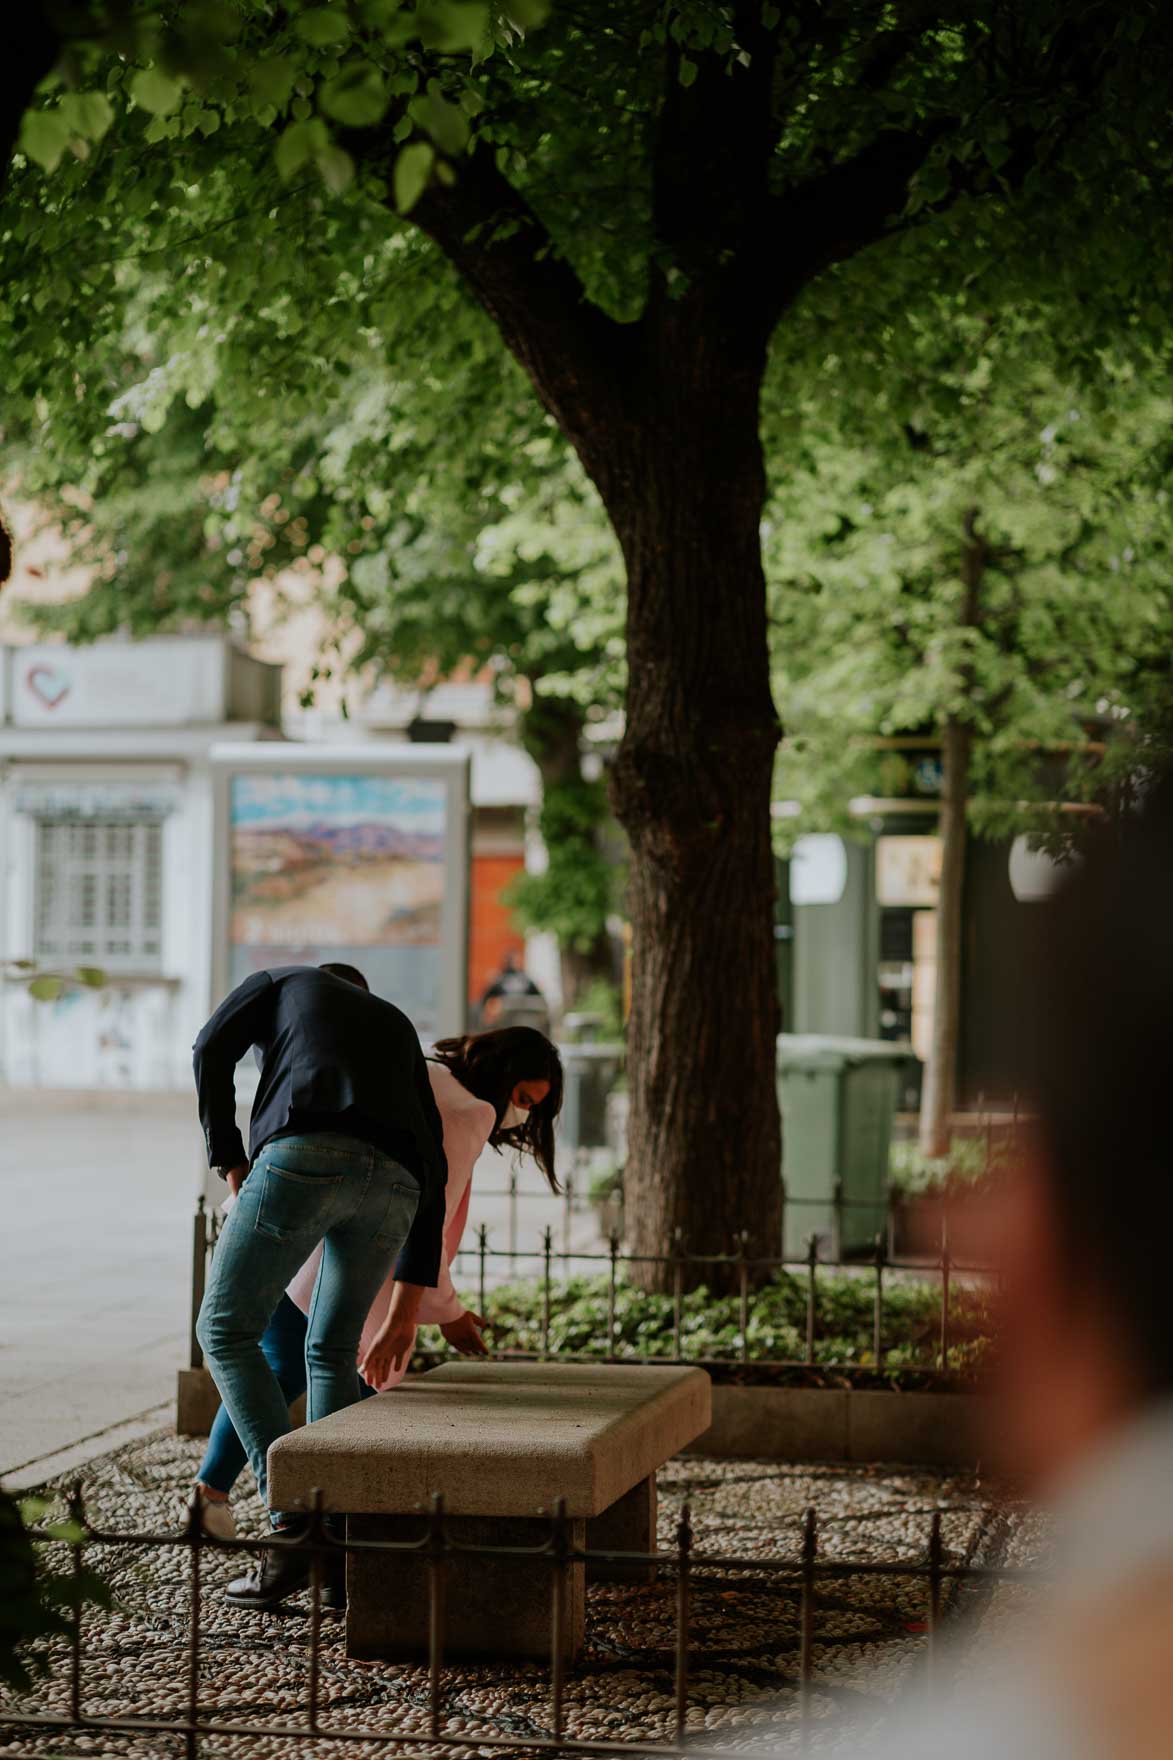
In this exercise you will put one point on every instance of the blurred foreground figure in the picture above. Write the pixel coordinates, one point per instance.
(1083, 1413)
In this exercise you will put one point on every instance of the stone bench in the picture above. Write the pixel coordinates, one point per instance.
(502, 1442)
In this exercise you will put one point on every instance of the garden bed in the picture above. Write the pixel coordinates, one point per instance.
(772, 1349)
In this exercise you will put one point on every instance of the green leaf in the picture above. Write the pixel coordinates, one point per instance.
(208, 121)
(337, 169)
(46, 988)
(321, 26)
(93, 977)
(299, 142)
(88, 114)
(271, 81)
(44, 136)
(687, 71)
(770, 17)
(413, 167)
(453, 27)
(357, 98)
(156, 91)
(446, 123)
(527, 15)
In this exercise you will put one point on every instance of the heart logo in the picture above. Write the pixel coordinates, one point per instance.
(49, 686)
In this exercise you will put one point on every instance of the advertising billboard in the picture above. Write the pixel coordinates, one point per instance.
(355, 854)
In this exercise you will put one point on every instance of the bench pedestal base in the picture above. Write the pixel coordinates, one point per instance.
(628, 1526)
(494, 1607)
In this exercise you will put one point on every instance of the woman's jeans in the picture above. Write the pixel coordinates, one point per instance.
(301, 1190)
(283, 1344)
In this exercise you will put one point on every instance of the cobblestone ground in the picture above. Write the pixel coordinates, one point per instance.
(743, 1643)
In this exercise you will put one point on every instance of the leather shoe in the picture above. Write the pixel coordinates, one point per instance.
(282, 1571)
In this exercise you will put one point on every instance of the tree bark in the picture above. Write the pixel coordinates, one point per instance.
(691, 785)
(939, 1097)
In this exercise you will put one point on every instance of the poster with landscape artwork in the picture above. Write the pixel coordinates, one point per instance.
(328, 866)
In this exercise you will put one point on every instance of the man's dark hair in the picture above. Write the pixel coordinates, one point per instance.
(352, 975)
(1101, 1075)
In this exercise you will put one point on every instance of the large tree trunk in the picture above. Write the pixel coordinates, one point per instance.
(692, 786)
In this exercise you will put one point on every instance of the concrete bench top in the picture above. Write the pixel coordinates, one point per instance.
(497, 1439)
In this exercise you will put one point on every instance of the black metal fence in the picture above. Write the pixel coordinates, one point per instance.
(682, 1270)
(794, 1580)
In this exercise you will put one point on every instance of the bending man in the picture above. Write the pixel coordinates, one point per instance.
(346, 1148)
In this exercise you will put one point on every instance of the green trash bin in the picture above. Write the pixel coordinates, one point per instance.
(838, 1099)
(591, 1072)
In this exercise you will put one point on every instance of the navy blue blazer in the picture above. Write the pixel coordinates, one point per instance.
(332, 1058)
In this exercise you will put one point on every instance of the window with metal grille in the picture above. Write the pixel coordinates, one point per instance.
(99, 894)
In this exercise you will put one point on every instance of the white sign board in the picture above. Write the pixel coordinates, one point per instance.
(908, 870)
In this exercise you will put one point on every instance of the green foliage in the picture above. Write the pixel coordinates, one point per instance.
(1065, 469)
(711, 1325)
(575, 894)
(36, 1601)
(48, 986)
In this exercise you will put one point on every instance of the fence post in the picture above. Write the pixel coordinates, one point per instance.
(559, 1573)
(547, 1250)
(317, 1538)
(683, 1613)
(611, 1292)
(934, 1614)
(839, 1202)
(810, 1542)
(812, 1260)
(199, 1272)
(743, 1291)
(195, 1537)
(512, 1216)
(567, 1222)
(482, 1255)
(677, 1290)
(437, 1561)
(782, 1212)
(77, 1515)
(878, 1315)
(945, 1266)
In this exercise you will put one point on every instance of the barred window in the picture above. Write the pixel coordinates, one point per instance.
(99, 892)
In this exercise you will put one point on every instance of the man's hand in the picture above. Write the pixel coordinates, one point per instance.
(391, 1349)
(236, 1177)
(464, 1335)
(392, 1345)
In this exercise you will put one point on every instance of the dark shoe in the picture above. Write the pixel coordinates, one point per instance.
(283, 1571)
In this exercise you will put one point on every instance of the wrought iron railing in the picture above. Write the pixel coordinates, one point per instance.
(686, 1568)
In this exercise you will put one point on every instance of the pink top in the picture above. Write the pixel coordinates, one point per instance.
(467, 1123)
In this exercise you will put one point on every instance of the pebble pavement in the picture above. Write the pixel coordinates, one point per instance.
(744, 1630)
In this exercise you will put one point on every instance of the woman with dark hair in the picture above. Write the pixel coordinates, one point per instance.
(498, 1089)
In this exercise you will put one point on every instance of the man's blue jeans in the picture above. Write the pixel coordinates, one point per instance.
(283, 1345)
(301, 1190)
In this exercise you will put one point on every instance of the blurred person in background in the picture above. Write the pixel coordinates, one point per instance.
(1082, 1413)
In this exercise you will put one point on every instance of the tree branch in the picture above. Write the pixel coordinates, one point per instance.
(573, 352)
(837, 215)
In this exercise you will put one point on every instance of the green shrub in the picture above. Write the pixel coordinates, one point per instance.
(710, 1326)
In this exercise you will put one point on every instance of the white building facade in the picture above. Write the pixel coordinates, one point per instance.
(107, 849)
(111, 854)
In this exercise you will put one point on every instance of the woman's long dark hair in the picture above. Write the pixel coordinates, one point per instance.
(490, 1065)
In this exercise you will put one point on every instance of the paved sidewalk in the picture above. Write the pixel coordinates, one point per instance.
(96, 1195)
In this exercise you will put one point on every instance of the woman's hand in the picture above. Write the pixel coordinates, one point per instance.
(390, 1349)
(464, 1335)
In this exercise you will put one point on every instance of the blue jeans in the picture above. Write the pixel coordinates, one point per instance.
(301, 1190)
(283, 1345)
